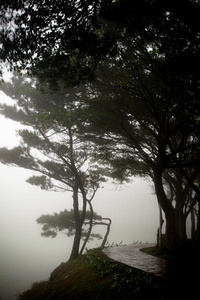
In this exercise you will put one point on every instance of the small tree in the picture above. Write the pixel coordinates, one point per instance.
(53, 146)
(64, 222)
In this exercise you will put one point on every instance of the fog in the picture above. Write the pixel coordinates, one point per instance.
(25, 256)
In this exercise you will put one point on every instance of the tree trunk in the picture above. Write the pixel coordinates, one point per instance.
(180, 218)
(107, 232)
(90, 227)
(79, 218)
(76, 244)
(193, 225)
(181, 193)
(78, 225)
(180, 226)
(171, 241)
(198, 221)
(159, 233)
(171, 234)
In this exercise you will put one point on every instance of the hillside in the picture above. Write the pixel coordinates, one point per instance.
(94, 276)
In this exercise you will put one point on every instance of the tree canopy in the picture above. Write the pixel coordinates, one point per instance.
(142, 110)
(148, 115)
(57, 40)
(52, 146)
(65, 222)
(65, 40)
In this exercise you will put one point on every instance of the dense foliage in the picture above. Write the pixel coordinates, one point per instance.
(56, 40)
(142, 111)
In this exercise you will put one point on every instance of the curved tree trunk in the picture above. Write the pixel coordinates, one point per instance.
(107, 232)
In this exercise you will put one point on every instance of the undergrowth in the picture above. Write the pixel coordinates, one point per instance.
(123, 277)
(95, 277)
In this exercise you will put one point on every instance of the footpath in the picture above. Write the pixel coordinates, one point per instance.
(133, 257)
(181, 274)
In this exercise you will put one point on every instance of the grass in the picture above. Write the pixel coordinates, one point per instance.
(94, 276)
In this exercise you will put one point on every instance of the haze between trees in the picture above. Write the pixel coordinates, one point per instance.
(138, 94)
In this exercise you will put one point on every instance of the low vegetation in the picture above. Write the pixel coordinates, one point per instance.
(94, 276)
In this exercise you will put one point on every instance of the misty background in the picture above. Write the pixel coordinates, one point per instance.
(25, 256)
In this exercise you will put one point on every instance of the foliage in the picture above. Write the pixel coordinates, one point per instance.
(149, 118)
(58, 40)
(126, 278)
(52, 145)
(64, 221)
(144, 105)
(171, 27)
(78, 279)
(65, 40)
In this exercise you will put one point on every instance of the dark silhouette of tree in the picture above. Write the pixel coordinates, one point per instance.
(52, 145)
(58, 40)
(144, 106)
(64, 222)
(65, 40)
(183, 198)
(149, 118)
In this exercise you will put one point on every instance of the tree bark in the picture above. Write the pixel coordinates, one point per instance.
(76, 244)
(79, 218)
(180, 225)
(77, 237)
(159, 233)
(171, 234)
(198, 221)
(107, 232)
(90, 227)
(193, 225)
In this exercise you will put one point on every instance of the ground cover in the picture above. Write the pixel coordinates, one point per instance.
(94, 276)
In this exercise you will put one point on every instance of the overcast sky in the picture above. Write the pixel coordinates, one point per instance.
(25, 256)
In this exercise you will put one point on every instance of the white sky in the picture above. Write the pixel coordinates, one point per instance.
(25, 256)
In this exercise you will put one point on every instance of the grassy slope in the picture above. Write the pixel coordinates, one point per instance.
(94, 276)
